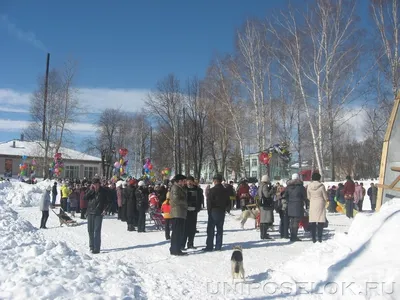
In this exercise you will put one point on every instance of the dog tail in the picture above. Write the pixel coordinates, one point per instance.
(237, 267)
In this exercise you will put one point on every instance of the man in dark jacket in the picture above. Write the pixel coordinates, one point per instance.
(98, 204)
(130, 200)
(372, 194)
(296, 197)
(54, 195)
(194, 197)
(178, 214)
(218, 202)
(142, 204)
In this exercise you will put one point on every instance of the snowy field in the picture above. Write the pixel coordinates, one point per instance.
(360, 261)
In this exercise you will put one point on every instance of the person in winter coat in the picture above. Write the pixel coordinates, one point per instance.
(348, 192)
(142, 204)
(194, 198)
(361, 201)
(119, 198)
(166, 209)
(83, 202)
(129, 195)
(281, 208)
(340, 193)
(124, 207)
(243, 195)
(44, 206)
(218, 202)
(65, 192)
(358, 195)
(318, 197)
(266, 203)
(296, 197)
(208, 187)
(98, 204)
(54, 194)
(372, 194)
(178, 214)
(73, 201)
(331, 198)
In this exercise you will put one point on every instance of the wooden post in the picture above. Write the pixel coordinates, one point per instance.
(46, 87)
(385, 152)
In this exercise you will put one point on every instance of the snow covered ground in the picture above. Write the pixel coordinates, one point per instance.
(56, 263)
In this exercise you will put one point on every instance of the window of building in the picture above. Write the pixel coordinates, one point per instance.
(8, 167)
(247, 162)
(71, 172)
(253, 173)
(89, 172)
(254, 162)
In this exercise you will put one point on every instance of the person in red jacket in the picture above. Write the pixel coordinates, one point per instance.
(243, 195)
(348, 191)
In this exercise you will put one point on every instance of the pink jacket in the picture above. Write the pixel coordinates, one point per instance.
(358, 194)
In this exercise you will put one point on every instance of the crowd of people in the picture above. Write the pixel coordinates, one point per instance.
(176, 204)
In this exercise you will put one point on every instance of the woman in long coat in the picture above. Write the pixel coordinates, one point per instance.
(316, 194)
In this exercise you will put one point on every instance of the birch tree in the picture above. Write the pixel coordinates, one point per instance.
(385, 14)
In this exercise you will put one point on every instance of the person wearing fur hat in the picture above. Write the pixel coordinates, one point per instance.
(178, 214)
(266, 194)
(44, 207)
(142, 204)
(296, 197)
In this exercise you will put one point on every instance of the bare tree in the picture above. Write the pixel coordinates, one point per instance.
(61, 110)
(385, 14)
(165, 105)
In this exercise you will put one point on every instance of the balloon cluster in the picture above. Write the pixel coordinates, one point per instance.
(281, 150)
(147, 168)
(33, 167)
(120, 166)
(57, 166)
(165, 171)
(23, 167)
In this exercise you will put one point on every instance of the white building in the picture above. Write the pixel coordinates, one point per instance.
(76, 164)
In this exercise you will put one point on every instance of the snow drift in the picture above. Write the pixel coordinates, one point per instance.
(363, 264)
(33, 268)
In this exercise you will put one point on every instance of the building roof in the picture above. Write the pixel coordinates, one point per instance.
(33, 149)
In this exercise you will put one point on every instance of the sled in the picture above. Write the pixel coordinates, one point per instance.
(157, 217)
(65, 219)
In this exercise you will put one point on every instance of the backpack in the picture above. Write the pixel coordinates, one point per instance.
(267, 202)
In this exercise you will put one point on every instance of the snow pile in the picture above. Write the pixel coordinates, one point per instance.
(23, 194)
(31, 268)
(362, 264)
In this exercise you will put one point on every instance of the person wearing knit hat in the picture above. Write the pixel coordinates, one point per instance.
(296, 197)
(142, 204)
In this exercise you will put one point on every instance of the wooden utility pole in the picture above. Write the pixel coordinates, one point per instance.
(46, 86)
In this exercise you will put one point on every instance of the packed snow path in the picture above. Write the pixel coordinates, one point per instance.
(192, 277)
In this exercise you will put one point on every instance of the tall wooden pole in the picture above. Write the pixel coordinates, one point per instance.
(46, 86)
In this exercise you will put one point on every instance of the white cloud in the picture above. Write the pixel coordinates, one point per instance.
(94, 99)
(25, 36)
(19, 125)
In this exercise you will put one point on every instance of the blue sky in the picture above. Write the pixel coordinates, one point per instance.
(123, 47)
